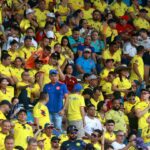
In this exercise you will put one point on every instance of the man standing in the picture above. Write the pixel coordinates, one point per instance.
(76, 111)
(57, 91)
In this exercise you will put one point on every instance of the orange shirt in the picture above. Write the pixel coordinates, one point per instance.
(30, 63)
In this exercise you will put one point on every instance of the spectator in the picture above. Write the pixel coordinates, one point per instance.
(76, 112)
(9, 142)
(91, 122)
(55, 105)
(32, 144)
(55, 143)
(72, 142)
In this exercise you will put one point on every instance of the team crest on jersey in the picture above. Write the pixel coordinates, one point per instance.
(58, 88)
(43, 113)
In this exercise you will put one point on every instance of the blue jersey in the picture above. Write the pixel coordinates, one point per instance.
(86, 64)
(56, 94)
(73, 145)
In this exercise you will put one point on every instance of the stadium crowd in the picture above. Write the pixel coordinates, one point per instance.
(75, 74)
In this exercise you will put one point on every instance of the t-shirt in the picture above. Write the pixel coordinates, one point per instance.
(118, 117)
(142, 120)
(41, 112)
(56, 94)
(76, 101)
(139, 61)
(2, 116)
(91, 125)
(119, 9)
(145, 133)
(100, 5)
(86, 64)
(2, 137)
(118, 146)
(21, 132)
(110, 136)
(8, 95)
(82, 47)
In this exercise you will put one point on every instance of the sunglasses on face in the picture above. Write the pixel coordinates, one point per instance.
(56, 141)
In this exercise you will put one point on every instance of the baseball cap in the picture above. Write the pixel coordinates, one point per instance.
(55, 55)
(29, 11)
(92, 77)
(77, 87)
(22, 110)
(52, 15)
(71, 128)
(53, 72)
(87, 50)
(108, 60)
(50, 34)
(55, 138)
(47, 125)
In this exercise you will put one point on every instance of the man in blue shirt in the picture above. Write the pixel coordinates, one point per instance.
(75, 39)
(57, 91)
(85, 64)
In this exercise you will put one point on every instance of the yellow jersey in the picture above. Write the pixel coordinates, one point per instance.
(142, 120)
(119, 9)
(107, 88)
(141, 23)
(87, 14)
(8, 95)
(110, 136)
(25, 24)
(118, 117)
(2, 116)
(139, 61)
(45, 69)
(100, 5)
(76, 4)
(145, 134)
(107, 55)
(148, 9)
(5, 70)
(95, 24)
(13, 54)
(16, 72)
(40, 111)
(21, 133)
(41, 17)
(123, 84)
(2, 137)
(102, 120)
(128, 106)
(76, 101)
(25, 52)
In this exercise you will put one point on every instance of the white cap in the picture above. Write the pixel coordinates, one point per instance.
(29, 11)
(50, 34)
(52, 15)
(92, 77)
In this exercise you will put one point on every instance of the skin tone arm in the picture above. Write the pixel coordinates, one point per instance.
(79, 69)
(140, 113)
(62, 112)
(83, 115)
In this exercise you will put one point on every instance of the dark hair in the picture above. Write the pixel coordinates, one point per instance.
(75, 29)
(96, 10)
(24, 72)
(43, 96)
(19, 148)
(27, 38)
(67, 67)
(48, 48)
(100, 105)
(8, 137)
(5, 56)
(13, 99)
(90, 105)
(30, 28)
(32, 140)
(13, 42)
(18, 58)
(100, 132)
(1, 79)
(81, 22)
(143, 30)
(112, 44)
(111, 21)
(140, 49)
(110, 121)
(76, 13)
(65, 37)
(131, 94)
(108, 146)
(89, 146)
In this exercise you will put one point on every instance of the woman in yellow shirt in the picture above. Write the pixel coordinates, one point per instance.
(122, 83)
(6, 92)
(101, 110)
